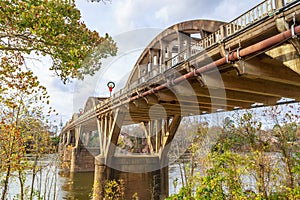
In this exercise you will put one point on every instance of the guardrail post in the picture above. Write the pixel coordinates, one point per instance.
(279, 4)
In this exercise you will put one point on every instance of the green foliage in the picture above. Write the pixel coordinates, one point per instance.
(55, 140)
(114, 190)
(244, 151)
(53, 28)
(183, 194)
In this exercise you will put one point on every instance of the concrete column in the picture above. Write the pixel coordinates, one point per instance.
(105, 130)
(68, 137)
(158, 134)
(279, 3)
(100, 177)
(164, 182)
(180, 46)
(163, 53)
(169, 56)
(151, 62)
(73, 160)
(77, 135)
(188, 47)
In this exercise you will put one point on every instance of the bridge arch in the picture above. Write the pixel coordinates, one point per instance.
(157, 56)
(91, 102)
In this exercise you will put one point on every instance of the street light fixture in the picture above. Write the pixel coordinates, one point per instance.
(111, 85)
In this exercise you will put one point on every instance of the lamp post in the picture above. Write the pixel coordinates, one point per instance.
(110, 86)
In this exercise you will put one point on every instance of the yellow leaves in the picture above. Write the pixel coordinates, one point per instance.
(72, 63)
(4, 59)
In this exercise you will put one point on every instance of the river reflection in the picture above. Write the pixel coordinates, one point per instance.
(77, 186)
(58, 184)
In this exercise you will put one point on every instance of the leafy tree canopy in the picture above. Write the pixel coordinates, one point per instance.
(52, 27)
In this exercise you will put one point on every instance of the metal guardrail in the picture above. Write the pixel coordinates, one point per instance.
(259, 12)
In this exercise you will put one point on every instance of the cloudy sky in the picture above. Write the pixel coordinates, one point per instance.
(133, 24)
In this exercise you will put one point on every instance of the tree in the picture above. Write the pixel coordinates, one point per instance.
(53, 28)
(285, 130)
(247, 162)
(23, 103)
(45, 28)
(17, 103)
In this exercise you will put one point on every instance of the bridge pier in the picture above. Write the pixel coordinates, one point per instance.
(67, 142)
(100, 176)
(141, 175)
(78, 159)
(164, 182)
(83, 159)
(76, 156)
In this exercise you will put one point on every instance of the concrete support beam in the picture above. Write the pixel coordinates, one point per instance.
(229, 95)
(164, 178)
(148, 136)
(77, 135)
(268, 69)
(287, 55)
(158, 131)
(114, 133)
(163, 48)
(73, 160)
(170, 133)
(100, 127)
(68, 137)
(180, 46)
(261, 87)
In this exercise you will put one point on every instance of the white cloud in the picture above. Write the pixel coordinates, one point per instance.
(162, 14)
(227, 10)
(123, 14)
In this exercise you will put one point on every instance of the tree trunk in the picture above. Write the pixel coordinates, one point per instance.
(33, 177)
(4, 191)
(21, 185)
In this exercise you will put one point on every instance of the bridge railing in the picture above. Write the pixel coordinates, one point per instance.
(252, 16)
(288, 1)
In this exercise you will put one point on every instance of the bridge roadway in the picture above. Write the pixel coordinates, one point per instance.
(191, 68)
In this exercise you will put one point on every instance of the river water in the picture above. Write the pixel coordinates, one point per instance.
(79, 185)
(55, 184)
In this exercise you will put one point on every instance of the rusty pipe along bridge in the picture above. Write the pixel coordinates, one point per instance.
(192, 68)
